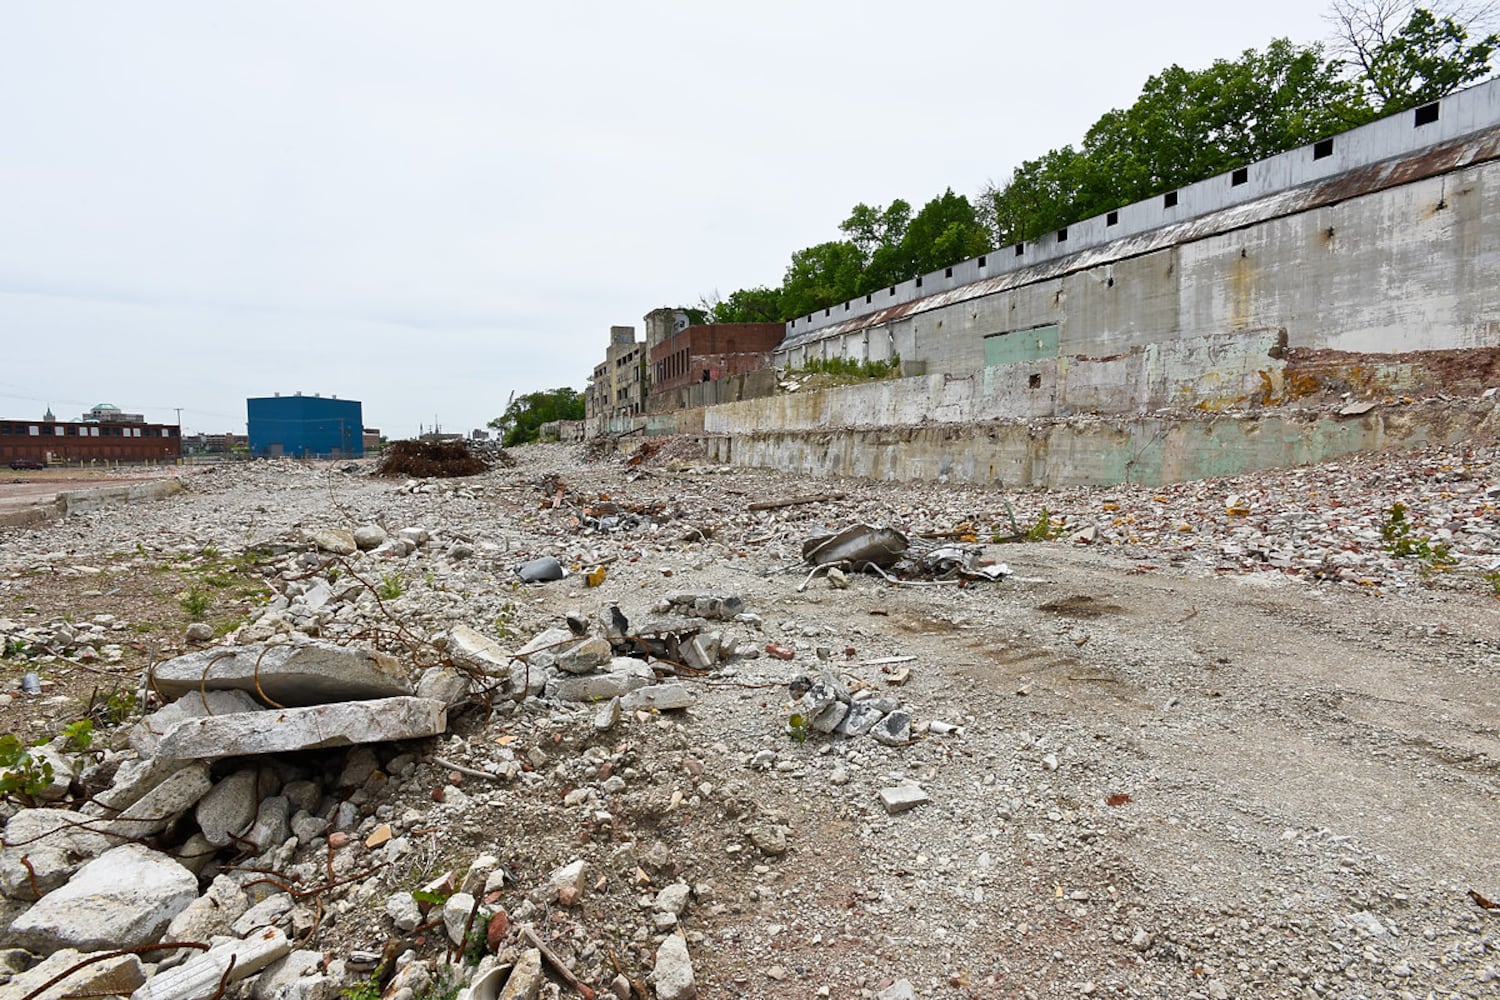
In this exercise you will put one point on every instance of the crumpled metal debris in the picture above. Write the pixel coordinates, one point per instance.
(864, 547)
(540, 570)
(947, 562)
(858, 545)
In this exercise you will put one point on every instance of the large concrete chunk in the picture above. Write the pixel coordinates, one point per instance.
(123, 898)
(146, 734)
(160, 807)
(314, 728)
(477, 651)
(117, 976)
(314, 674)
(55, 844)
(201, 976)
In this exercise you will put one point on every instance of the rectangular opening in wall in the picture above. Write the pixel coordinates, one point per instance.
(893, 289)
(868, 299)
(1169, 200)
(1062, 235)
(1112, 219)
(1322, 149)
(948, 272)
(1020, 249)
(827, 312)
(1034, 380)
(919, 281)
(983, 262)
(1239, 177)
(846, 307)
(1425, 115)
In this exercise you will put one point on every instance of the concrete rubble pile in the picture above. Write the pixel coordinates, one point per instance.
(255, 806)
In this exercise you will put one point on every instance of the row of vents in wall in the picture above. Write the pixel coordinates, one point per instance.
(1322, 149)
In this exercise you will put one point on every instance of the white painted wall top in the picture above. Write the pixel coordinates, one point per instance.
(1458, 114)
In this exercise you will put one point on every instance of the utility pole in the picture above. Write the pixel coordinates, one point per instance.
(179, 418)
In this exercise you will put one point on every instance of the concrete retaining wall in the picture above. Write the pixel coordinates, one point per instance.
(1082, 451)
(82, 501)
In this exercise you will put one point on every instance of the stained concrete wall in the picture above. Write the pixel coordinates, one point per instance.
(1082, 451)
(1410, 267)
(1471, 110)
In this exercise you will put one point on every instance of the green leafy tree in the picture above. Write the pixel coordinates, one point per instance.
(821, 276)
(523, 418)
(873, 228)
(1184, 126)
(1403, 53)
(749, 305)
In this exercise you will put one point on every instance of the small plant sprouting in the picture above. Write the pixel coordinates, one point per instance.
(1400, 541)
(1045, 529)
(391, 586)
(1493, 579)
(78, 736)
(195, 602)
(22, 776)
(17, 649)
(796, 727)
(365, 989)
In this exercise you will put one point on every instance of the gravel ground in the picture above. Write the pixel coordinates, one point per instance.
(1235, 738)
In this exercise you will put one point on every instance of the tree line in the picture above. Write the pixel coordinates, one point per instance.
(1385, 56)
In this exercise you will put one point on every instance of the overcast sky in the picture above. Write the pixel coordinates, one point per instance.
(425, 206)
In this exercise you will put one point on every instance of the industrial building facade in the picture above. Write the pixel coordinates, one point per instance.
(299, 426)
(48, 441)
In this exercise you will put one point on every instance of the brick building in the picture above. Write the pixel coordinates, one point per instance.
(708, 353)
(105, 440)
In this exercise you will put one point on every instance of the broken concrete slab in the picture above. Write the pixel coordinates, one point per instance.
(201, 976)
(477, 651)
(146, 734)
(661, 697)
(55, 844)
(902, 798)
(312, 674)
(160, 807)
(123, 898)
(116, 976)
(313, 728)
(229, 807)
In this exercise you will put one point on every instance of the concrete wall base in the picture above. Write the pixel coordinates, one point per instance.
(1092, 451)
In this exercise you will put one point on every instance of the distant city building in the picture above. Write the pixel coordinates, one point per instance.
(109, 413)
(299, 426)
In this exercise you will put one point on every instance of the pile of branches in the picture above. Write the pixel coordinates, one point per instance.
(424, 460)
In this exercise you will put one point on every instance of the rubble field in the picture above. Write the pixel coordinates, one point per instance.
(746, 735)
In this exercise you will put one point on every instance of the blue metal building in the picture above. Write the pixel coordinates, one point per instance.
(301, 426)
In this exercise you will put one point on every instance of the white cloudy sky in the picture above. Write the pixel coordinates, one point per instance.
(425, 206)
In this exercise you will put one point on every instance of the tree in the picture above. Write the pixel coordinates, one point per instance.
(1184, 126)
(821, 276)
(945, 232)
(523, 418)
(1404, 54)
(747, 305)
(871, 229)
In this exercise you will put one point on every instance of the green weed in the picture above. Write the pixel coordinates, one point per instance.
(195, 602)
(22, 776)
(849, 368)
(392, 585)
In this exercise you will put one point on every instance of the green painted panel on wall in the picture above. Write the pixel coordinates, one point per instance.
(1035, 344)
